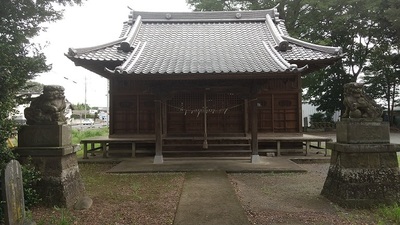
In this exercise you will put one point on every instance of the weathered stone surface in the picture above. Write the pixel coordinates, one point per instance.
(44, 136)
(357, 131)
(358, 104)
(362, 188)
(61, 183)
(51, 152)
(364, 170)
(48, 108)
(46, 151)
(362, 148)
(83, 203)
(13, 195)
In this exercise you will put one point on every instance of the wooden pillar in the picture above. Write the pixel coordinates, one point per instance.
(158, 158)
(246, 116)
(164, 117)
(255, 158)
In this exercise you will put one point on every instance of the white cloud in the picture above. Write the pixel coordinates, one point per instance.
(96, 22)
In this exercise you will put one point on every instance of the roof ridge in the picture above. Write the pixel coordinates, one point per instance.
(322, 48)
(127, 66)
(124, 65)
(283, 45)
(203, 15)
(283, 63)
(126, 45)
(130, 66)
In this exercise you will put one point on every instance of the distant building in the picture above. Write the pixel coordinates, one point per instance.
(308, 110)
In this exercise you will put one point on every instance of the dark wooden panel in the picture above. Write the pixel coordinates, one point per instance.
(185, 113)
(278, 112)
(146, 114)
(133, 114)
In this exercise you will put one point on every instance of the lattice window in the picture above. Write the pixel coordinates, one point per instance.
(225, 113)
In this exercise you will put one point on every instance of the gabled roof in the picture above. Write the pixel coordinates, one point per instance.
(205, 43)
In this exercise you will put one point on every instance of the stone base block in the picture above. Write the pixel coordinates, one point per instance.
(355, 131)
(363, 187)
(44, 136)
(363, 176)
(46, 151)
(61, 184)
(255, 159)
(158, 159)
(364, 156)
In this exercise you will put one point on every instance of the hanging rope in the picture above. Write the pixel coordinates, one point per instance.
(204, 109)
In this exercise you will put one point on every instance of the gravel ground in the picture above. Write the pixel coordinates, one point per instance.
(293, 199)
(268, 198)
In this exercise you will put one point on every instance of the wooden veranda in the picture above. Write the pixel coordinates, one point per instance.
(135, 146)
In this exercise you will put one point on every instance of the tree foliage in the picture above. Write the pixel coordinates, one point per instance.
(356, 26)
(81, 106)
(20, 59)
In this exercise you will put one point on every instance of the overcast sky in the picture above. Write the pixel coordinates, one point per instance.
(95, 22)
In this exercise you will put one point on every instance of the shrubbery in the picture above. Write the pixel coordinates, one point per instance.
(321, 117)
(30, 178)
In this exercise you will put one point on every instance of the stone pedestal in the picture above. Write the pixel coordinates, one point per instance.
(49, 149)
(364, 171)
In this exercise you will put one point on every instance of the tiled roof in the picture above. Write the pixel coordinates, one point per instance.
(205, 42)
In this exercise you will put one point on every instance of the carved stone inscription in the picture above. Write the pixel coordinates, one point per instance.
(13, 194)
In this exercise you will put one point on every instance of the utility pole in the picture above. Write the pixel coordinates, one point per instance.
(85, 95)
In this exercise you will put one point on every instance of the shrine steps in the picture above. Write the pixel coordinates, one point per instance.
(202, 145)
(190, 146)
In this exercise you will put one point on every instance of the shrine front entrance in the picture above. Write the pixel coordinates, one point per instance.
(205, 114)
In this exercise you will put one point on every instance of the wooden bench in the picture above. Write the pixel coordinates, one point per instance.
(104, 142)
(284, 138)
(277, 138)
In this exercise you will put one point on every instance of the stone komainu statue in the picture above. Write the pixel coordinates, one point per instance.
(358, 104)
(48, 108)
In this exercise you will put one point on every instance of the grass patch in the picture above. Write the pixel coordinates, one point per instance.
(146, 198)
(78, 135)
(389, 214)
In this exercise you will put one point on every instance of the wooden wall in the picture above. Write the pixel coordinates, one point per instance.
(132, 107)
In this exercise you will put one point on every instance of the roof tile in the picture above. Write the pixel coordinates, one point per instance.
(225, 46)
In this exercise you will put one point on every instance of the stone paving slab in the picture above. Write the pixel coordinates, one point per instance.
(227, 164)
(209, 198)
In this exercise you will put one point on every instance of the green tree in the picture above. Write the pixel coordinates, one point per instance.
(81, 106)
(20, 59)
(382, 75)
(354, 25)
(32, 87)
(392, 14)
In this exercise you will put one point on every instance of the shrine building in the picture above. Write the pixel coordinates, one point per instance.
(204, 81)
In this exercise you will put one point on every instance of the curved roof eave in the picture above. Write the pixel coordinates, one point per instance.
(76, 51)
(198, 75)
(328, 49)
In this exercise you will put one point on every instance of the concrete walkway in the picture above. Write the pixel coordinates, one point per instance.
(209, 198)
